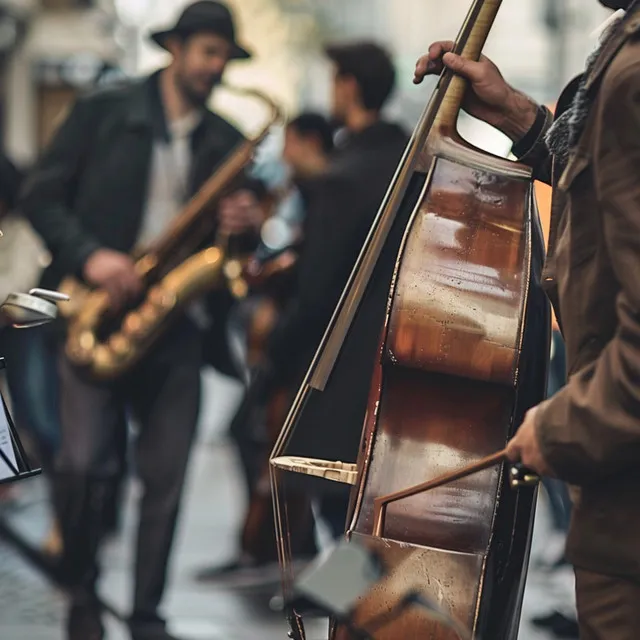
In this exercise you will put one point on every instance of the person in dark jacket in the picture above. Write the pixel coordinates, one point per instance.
(342, 205)
(588, 433)
(117, 172)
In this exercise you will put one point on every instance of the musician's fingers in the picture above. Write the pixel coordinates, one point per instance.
(470, 69)
(514, 449)
(117, 294)
(421, 69)
(132, 284)
(431, 63)
(439, 49)
(124, 286)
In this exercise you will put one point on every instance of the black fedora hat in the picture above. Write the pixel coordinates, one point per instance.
(205, 15)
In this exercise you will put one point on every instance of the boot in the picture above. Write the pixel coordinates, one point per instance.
(84, 621)
(151, 634)
(149, 628)
(81, 505)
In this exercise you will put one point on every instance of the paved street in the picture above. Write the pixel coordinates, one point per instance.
(30, 610)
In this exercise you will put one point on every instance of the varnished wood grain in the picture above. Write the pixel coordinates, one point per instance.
(429, 572)
(444, 394)
(461, 287)
(428, 425)
(482, 16)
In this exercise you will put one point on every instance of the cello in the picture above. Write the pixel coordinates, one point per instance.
(464, 327)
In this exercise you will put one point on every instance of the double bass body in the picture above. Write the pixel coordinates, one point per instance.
(462, 357)
(451, 384)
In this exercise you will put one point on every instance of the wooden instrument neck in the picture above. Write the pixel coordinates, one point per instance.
(469, 45)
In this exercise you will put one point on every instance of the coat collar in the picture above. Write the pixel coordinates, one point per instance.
(629, 27)
(146, 109)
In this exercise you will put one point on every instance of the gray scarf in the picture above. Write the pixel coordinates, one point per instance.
(565, 132)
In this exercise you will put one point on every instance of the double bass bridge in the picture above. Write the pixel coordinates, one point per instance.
(342, 472)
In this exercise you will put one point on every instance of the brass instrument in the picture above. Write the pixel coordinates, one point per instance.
(172, 275)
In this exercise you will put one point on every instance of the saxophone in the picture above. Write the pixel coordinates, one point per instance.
(172, 276)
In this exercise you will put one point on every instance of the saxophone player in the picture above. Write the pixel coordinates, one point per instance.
(117, 172)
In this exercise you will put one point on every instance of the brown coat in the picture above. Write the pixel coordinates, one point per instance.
(590, 430)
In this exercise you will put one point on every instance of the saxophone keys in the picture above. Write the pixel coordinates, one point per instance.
(149, 315)
(102, 358)
(120, 345)
(132, 325)
(161, 298)
(86, 341)
(80, 350)
(146, 264)
(212, 255)
(155, 297)
(233, 269)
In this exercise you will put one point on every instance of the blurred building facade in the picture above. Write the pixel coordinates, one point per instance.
(539, 44)
(65, 47)
(51, 49)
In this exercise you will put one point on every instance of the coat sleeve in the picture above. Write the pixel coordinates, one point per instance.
(47, 195)
(337, 227)
(535, 152)
(591, 428)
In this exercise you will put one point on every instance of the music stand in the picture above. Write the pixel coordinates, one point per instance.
(22, 311)
(14, 463)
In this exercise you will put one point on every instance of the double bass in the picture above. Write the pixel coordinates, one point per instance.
(464, 327)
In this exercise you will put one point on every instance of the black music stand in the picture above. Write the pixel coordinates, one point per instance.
(22, 311)
(14, 463)
(15, 466)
